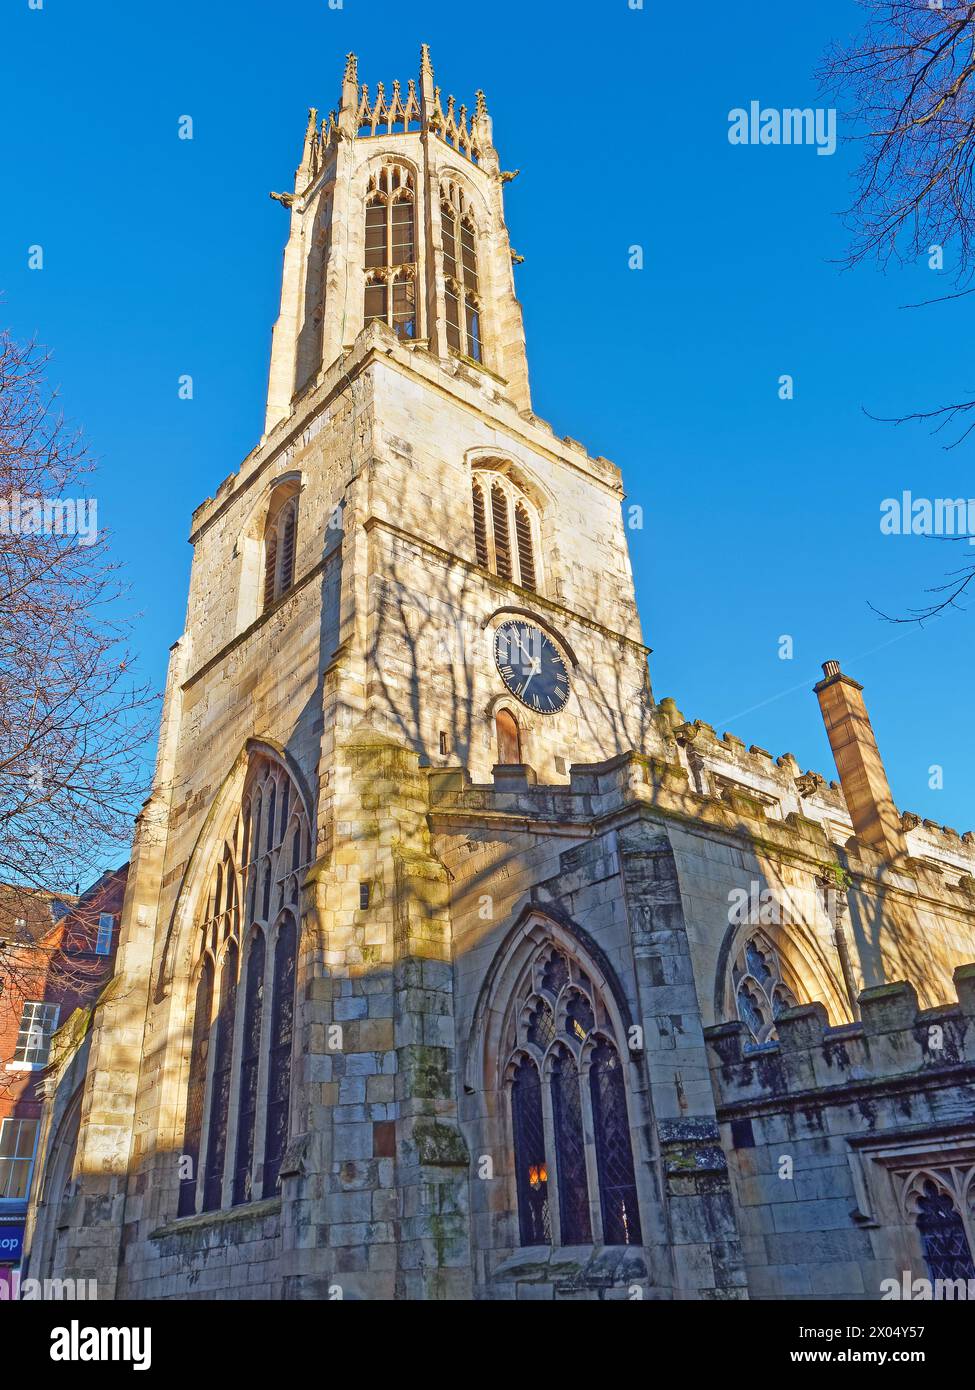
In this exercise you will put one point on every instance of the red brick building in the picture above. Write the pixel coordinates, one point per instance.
(56, 954)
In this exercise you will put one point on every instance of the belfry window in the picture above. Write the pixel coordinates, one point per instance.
(573, 1157)
(461, 289)
(280, 539)
(239, 1078)
(390, 251)
(506, 528)
(761, 992)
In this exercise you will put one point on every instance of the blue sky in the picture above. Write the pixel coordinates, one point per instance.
(162, 257)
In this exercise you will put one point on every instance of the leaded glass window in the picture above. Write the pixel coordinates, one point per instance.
(250, 1062)
(761, 992)
(193, 1122)
(262, 866)
(531, 1168)
(617, 1183)
(943, 1235)
(573, 1157)
(571, 1149)
(220, 1082)
(279, 1069)
(941, 1200)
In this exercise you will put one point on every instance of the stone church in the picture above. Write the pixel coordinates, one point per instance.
(453, 963)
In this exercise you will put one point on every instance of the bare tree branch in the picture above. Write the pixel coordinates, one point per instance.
(73, 725)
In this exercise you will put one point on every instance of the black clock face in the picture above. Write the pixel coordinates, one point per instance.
(531, 667)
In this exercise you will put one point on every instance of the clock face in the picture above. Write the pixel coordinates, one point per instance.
(531, 667)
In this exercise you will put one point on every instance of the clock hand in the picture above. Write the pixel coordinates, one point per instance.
(536, 668)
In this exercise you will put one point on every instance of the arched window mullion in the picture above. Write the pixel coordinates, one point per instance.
(548, 1120)
(592, 1165)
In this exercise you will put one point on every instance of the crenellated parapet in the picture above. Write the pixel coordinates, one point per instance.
(895, 1044)
(759, 786)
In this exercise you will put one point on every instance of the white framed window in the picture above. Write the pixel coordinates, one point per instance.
(18, 1139)
(38, 1022)
(103, 942)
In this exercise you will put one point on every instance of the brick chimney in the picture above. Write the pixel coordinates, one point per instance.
(876, 821)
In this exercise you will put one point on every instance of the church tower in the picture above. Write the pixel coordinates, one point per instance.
(397, 217)
(410, 580)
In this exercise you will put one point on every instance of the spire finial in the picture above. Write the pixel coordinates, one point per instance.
(309, 154)
(349, 105)
(426, 83)
(483, 133)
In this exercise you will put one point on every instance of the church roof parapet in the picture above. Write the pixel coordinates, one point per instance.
(894, 1042)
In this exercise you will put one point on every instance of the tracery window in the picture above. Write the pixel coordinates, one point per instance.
(461, 286)
(942, 1202)
(280, 537)
(761, 992)
(573, 1155)
(506, 528)
(390, 255)
(247, 954)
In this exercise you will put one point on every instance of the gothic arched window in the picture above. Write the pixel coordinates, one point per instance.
(506, 528)
(761, 992)
(942, 1202)
(390, 251)
(573, 1157)
(461, 288)
(262, 864)
(280, 536)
